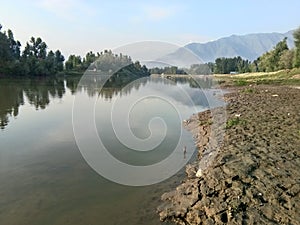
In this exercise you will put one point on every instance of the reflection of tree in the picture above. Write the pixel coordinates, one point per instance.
(124, 89)
(104, 86)
(107, 74)
(72, 83)
(101, 82)
(37, 90)
(10, 98)
(194, 81)
(91, 84)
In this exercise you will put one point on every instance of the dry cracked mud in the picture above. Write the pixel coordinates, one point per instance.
(254, 174)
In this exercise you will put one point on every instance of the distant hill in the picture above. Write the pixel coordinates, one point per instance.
(248, 46)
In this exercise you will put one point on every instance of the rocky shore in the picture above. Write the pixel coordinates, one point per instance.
(249, 163)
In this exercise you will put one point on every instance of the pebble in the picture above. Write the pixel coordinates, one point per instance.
(199, 173)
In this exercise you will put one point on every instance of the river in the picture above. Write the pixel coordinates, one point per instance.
(44, 177)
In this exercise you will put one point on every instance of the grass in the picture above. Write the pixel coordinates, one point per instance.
(206, 122)
(240, 82)
(287, 77)
(234, 122)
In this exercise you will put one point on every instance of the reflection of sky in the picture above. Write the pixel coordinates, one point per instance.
(33, 130)
(131, 115)
(181, 94)
(185, 95)
(40, 161)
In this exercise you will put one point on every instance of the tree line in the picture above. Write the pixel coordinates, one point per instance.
(36, 60)
(167, 70)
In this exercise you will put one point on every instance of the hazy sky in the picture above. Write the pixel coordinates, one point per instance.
(77, 26)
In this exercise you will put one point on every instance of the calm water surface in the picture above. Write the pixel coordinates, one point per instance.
(43, 177)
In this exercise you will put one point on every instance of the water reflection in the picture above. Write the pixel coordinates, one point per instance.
(40, 91)
(11, 97)
(37, 91)
(43, 177)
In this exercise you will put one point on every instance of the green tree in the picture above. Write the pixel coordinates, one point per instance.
(227, 65)
(50, 63)
(264, 63)
(38, 48)
(254, 66)
(34, 57)
(5, 54)
(9, 52)
(89, 59)
(270, 61)
(13, 45)
(59, 61)
(296, 35)
(74, 63)
(219, 65)
(277, 52)
(286, 59)
(36, 61)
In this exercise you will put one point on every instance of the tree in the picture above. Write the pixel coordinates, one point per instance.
(9, 52)
(90, 58)
(50, 63)
(200, 69)
(34, 59)
(296, 35)
(74, 63)
(277, 52)
(34, 56)
(286, 59)
(38, 47)
(59, 61)
(254, 66)
(270, 61)
(13, 45)
(5, 54)
(227, 65)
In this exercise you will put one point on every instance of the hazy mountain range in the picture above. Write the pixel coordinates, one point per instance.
(249, 46)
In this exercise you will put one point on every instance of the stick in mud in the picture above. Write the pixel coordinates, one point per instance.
(184, 152)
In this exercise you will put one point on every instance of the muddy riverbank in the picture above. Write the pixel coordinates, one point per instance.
(254, 174)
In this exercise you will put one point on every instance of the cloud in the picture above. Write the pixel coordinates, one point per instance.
(151, 13)
(66, 9)
(156, 13)
(52, 5)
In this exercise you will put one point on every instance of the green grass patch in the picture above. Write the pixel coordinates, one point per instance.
(206, 122)
(234, 122)
(241, 82)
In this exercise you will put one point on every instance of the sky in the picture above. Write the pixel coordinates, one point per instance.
(79, 26)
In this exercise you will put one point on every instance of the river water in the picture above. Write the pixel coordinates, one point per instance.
(44, 178)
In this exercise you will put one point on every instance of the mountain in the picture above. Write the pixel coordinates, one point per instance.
(249, 46)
